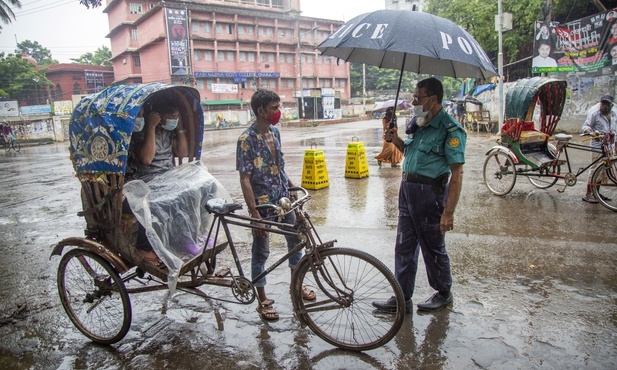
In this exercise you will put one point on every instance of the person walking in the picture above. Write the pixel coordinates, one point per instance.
(429, 192)
(389, 153)
(259, 160)
(599, 121)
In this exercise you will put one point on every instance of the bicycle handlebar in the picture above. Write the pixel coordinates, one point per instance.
(284, 207)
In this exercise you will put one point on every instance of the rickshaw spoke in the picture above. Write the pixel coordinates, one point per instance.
(499, 173)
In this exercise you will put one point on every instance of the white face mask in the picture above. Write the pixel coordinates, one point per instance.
(418, 110)
(140, 122)
(171, 124)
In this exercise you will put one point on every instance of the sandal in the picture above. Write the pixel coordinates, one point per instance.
(308, 294)
(267, 312)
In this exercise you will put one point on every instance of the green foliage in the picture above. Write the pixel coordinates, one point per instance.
(101, 57)
(20, 79)
(90, 3)
(6, 13)
(41, 54)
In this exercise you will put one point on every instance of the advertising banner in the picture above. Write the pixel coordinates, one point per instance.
(225, 88)
(9, 108)
(35, 109)
(585, 45)
(63, 108)
(178, 41)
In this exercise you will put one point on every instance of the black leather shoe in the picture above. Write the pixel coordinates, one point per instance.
(436, 302)
(390, 305)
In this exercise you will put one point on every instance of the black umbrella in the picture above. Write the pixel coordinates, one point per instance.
(409, 41)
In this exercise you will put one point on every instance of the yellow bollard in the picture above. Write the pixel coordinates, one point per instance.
(356, 166)
(314, 171)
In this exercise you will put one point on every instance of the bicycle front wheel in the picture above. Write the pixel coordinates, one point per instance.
(604, 184)
(16, 146)
(346, 282)
(93, 296)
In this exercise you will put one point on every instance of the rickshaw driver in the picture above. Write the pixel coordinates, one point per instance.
(599, 120)
(162, 137)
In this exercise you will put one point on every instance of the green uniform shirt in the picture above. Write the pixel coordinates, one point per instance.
(435, 146)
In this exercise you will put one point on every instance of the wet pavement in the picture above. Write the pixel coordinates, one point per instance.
(534, 273)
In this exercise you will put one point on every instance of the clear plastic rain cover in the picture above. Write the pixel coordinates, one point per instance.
(171, 207)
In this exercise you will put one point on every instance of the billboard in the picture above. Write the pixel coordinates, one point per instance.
(178, 41)
(63, 107)
(225, 88)
(585, 45)
(9, 108)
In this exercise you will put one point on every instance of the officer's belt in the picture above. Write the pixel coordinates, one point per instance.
(419, 179)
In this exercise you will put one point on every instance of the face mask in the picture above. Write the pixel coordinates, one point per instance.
(171, 124)
(139, 124)
(274, 118)
(418, 110)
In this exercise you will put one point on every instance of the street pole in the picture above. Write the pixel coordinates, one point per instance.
(36, 90)
(363, 88)
(500, 65)
(301, 112)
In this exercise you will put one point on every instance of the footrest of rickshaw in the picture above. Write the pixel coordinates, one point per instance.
(539, 159)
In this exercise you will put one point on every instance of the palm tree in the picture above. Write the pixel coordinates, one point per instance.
(6, 13)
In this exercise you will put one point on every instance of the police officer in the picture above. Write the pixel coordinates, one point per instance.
(429, 192)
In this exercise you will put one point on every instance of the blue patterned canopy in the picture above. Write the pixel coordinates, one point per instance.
(101, 125)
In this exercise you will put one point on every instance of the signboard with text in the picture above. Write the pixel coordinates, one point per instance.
(35, 109)
(178, 41)
(9, 108)
(225, 88)
(585, 45)
(63, 108)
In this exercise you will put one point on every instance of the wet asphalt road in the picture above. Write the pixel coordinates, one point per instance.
(534, 273)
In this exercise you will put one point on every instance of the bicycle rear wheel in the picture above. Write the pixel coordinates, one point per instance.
(499, 173)
(94, 297)
(604, 185)
(346, 283)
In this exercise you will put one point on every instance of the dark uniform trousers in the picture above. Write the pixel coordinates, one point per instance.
(420, 210)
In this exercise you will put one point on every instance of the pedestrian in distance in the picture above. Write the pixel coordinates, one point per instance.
(599, 121)
(259, 160)
(430, 189)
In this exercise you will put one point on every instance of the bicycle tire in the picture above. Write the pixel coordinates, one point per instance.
(7, 146)
(604, 184)
(544, 182)
(16, 146)
(357, 279)
(499, 173)
(93, 296)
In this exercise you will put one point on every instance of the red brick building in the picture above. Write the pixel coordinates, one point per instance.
(224, 48)
(76, 79)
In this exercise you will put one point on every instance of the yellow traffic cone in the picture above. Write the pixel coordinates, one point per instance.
(356, 166)
(314, 171)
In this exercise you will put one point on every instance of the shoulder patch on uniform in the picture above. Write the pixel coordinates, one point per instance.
(454, 142)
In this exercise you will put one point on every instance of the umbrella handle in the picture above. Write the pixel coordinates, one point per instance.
(354, 138)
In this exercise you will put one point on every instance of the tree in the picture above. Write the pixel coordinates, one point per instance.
(21, 79)
(101, 57)
(41, 54)
(6, 13)
(90, 3)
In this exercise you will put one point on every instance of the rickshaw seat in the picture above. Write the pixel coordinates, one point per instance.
(533, 137)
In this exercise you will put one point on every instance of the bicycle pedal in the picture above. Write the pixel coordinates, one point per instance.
(222, 272)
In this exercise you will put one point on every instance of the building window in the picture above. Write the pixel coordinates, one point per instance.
(271, 57)
(260, 31)
(136, 61)
(135, 8)
(209, 83)
(195, 26)
(249, 30)
(240, 30)
(230, 29)
(133, 33)
(76, 88)
(262, 57)
(291, 83)
(197, 54)
(281, 58)
(200, 84)
(231, 56)
(206, 27)
(283, 84)
(271, 84)
(270, 32)
(242, 56)
(208, 55)
(219, 28)
(251, 57)
(263, 2)
(277, 4)
(309, 59)
(220, 56)
(290, 58)
(151, 6)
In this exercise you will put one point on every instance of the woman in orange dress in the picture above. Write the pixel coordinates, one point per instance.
(389, 153)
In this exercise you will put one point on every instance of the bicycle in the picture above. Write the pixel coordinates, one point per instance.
(10, 142)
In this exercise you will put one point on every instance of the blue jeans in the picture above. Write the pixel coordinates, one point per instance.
(420, 211)
(261, 251)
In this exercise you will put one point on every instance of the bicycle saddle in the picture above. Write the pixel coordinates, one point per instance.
(219, 205)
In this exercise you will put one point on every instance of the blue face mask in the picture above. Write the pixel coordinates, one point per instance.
(171, 124)
(139, 124)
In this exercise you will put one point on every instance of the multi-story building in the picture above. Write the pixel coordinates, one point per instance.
(415, 5)
(224, 48)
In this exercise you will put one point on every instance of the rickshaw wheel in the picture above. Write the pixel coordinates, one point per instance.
(499, 173)
(545, 181)
(93, 296)
(604, 186)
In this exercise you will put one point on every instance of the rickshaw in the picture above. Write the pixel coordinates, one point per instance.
(533, 152)
(98, 272)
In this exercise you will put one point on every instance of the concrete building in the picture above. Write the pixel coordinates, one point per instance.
(415, 5)
(224, 48)
(77, 79)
